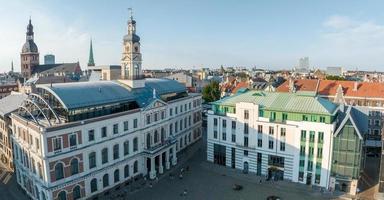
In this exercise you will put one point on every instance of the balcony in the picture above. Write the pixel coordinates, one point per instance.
(162, 145)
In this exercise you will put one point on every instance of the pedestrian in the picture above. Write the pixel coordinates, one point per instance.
(185, 192)
(260, 181)
(181, 176)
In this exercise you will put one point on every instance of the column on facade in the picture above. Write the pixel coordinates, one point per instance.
(174, 159)
(161, 168)
(152, 173)
(167, 163)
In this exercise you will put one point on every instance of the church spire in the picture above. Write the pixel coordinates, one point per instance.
(30, 30)
(91, 61)
(12, 69)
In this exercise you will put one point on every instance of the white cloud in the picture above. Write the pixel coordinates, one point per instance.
(351, 43)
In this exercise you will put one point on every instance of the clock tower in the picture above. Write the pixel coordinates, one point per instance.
(131, 60)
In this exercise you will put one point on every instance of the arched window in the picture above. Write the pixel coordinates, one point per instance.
(62, 195)
(156, 137)
(94, 185)
(76, 192)
(116, 175)
(148, 140)
(135, 167)
(126, 171)
(104, 155)
(171, 129)
(92, 160)
(74, 166)
(116, 151)
(162, 134)
(59, 171)
(105, 180)
(135, 144)
(126, 147)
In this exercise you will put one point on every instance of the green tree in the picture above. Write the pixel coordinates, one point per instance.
(336, 78)
(211, 92)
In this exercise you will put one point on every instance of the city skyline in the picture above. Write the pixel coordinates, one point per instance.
(201, 34)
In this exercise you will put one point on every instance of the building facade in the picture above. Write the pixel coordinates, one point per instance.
(75, 140)
(279, 135)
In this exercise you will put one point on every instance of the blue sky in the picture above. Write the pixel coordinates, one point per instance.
(201, 33)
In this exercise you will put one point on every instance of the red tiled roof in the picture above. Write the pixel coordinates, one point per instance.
(239, 86)
(329, 88)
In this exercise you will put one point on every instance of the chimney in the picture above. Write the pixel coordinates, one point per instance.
(355, 86)
(291, 84)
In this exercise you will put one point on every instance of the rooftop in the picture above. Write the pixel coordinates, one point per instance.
(288, 102)
(11, 103)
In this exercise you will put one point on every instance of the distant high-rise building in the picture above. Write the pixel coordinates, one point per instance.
(304, 63)
(49, 59)
(91, 61)
(29, 53)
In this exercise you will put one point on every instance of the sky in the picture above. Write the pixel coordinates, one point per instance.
(270, 34)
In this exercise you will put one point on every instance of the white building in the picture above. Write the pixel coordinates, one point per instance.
(74, 140)
(285, 136)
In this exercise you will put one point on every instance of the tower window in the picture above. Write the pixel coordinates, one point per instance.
(136, 49)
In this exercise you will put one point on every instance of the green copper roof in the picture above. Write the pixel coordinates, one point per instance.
(287, 102)
(91, 61)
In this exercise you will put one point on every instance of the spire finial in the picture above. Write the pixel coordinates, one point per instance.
(91, 61)
(130, 13)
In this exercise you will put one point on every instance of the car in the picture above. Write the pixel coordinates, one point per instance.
(273, 197)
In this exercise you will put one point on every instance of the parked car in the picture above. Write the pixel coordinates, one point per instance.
(273, 197)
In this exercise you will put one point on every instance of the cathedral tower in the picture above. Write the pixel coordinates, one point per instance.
(29, 53)
(131, 59)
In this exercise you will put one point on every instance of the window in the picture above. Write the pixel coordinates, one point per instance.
(116, 151)
(72, 140)
(224, 136)
(170, 112)
(270, 144)
(305, 118)
(282, 146)
(303, 135)
(57, 143)
(148, 119)
(317, 178)
(126, 171)
(171, 129)
(116, 175)
(76, 192)
(215, 121)
(215, 134)
(245, 153)
(181, 108)
(320, 137)
(273, 116)
(233, 138)
(246, 114)
(156, 116)
(246, 141)
(319, 152)
(233, 125)
(135, 144)
(246, 128)
(115, 128)
(312, 136)
(126, 126)
(181, 124)
(313, 118)
(310, 166)
(126, 148)
(224, 123)
(175, 110)
(176, 126)
(190, 106)
(104, 132)
(104, 155)
(259, 142)
(302, 162)
(92, 160)
(105, 180)
(74, 166)
(135, 167)
(301, 176)
(283, 132)
(302, 150)
(94, 185)
(135, 123)
(162, 114)
(62, 195)
(91, 135)
(271, 130)
(285, 116)
(310, 151)
(259, 128)
(59, 171)
(37, 143)
(322, 119)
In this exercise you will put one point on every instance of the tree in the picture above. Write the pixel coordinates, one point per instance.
(211, 92)
(336, 78)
